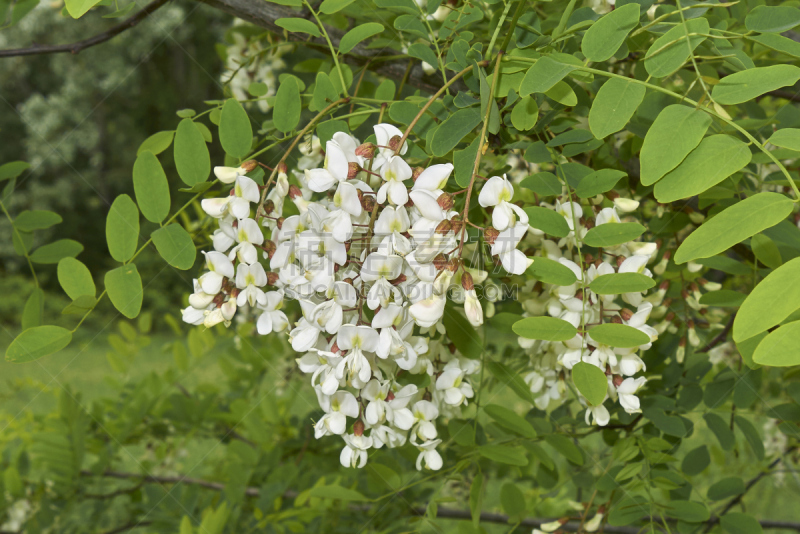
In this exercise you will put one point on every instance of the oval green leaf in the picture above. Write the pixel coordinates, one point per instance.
(602, 40)
(75, 278)
(122, 228)
(175, 245)
(191, 154)
(772, 19)
(510, 420)
(612, 234)
(547, 220)
(298, 25)
(28, 221)
(55, 251)
(286, 113)
(618, 283)
(151, 187)
(543, 75)
(124, 288)
(454, 128)
(552, 272)
(545, 328)
(358, 34)
(748, 84)
(770, 302)
(615, 104)
(733, 225)
(235, 132)
(714, 159)
(591, 381)
(156, 143)
(786, 138)
(619, 335)
(36, 342)
(676, 131)
(669, 52)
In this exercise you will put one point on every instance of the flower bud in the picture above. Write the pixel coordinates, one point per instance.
(353, 169)
(617, 381)
(626, 314)
(445, 201)
(453, 264)
(467, 282)
(282, 168)
(457, 226)
(249, 165)
(358, 428)
(616, 319)
(269, 207)
(490, 235)
(444, 227)
(440, 261)
(416, 172)
(294, 192)
(626, 204)
(394, 143)
(269, 247)
(368, 202)
(272, 278)
(279, 222)
(366, 150)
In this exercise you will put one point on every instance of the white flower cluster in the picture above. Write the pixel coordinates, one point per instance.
(577, 304)
(371, 263)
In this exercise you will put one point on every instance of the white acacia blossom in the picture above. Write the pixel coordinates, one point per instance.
(373, 252)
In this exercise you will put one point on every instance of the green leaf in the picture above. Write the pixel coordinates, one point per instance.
(476, 498)
(36, 342)
(335, 491)
(545, 328)
(423, 53)
(725, 488)
(724, 298)
(770, 302)
(235, 132)
(612, 234)
(714, 159)
(618, 283)
(543, 75)
(504, 454)
(28, 221)
(551, 272)
(12, 169)
(298, 25)
(453, 129)
(75, 278)
(543, 183)
(669, 52)
(598, 182)
(676, 131)
(696, 461)
(689, 511)
(286, 112)
(191, 154)
(324, 92)
(748, 84)
(465, 336)
(766, 251)
(721, 430)
(780, 348)
(122, 228)
(54, 252)
(603, 38)
(510, 378)
(778, 43)
(510, 420)
(591, 381)
(564, 446)
(576, 135)
(358, 34)
(733, 225)
(562, 93)
(151, 187)
(547, 220)
(175, 245)
(330, 7)
(772, 19)
(618, 335)
(78, 8)
(751, 435)
(736, 523)
(124, 288)
(614, 105)
(513, 500)
(33, 312)
(464, 163)
(786, 138)
(525, 114)
(291, 3)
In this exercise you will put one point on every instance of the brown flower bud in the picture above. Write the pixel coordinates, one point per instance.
(440, 262)
(368, 203)
(416, 172)
(457, 226)
(282, 168)
(394, 143)
(358, 428)
(399, 280)
(353, 169)
(272, 278)
(366, 150)
(453, 264)
(294, 192)
(249, 165)
(390, 396)
(269, 247)
(444, 227)
(626, 314)
(279, 222)
(269, 207)
(490, 235)
(467, 282)
(611, 195)
(445, 201)
(616, 319)
(617, 381)
(664, 285)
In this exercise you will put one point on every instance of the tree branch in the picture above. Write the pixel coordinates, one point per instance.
(74, 48)
(445, 513)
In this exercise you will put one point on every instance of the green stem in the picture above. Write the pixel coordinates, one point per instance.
(691, 53)
(21, 243)
(514, 22)
(564, 18)
(334, 54)
(498, 28)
